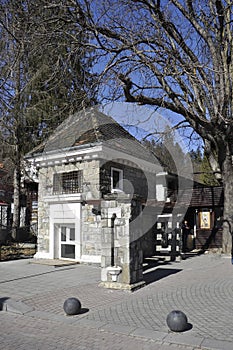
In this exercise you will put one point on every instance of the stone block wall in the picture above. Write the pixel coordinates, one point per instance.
(115, 237)
(140, 182)
(91, 230)
(112, 242)
(90, 180)
(90, 189)
(127, 242)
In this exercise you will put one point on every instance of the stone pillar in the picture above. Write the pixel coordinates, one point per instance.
(121, 255)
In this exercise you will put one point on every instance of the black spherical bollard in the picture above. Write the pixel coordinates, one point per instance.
(72, 306)
(177, 321)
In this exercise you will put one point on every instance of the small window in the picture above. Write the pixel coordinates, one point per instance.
(116, 179)
(72, 234)
(63, 234)
(3, 215)
(70, 182)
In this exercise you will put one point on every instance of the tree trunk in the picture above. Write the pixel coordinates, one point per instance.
(16, 212)
(228, 205)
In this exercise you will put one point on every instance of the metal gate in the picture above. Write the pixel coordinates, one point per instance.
(167, 238)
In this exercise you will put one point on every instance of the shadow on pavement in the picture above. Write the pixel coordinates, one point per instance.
(159, 273)
(83, 310)
(189, 327)
(152, 262)
(191, 254)
(2, 300)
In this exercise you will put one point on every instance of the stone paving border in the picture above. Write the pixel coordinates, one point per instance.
(53, 262)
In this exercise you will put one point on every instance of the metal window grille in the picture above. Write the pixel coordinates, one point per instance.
(70, 182)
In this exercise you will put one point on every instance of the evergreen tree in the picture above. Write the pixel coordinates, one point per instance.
(207, 176)
(168, 152)
(203, 172)
(44, 75)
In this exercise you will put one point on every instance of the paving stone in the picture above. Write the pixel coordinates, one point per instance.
(216, 344)
(14, 306)
(183, 339)
(199, 286)
(113, 328)
(145, 333)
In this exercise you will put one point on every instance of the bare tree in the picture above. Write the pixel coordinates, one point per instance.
(43, 77)
(176, 55)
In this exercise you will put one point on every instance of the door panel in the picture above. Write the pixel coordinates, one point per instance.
(67, 242)
(66, 230)
(68, 251)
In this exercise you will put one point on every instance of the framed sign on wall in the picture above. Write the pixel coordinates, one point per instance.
(204, 219)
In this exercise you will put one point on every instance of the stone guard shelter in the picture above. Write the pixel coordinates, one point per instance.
(94, 182)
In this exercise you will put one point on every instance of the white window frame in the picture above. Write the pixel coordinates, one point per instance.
(120, 172)
(67, 241)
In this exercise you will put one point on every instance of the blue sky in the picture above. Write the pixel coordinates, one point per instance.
(144, 120)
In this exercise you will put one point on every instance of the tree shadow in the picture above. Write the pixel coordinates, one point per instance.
(191, 254)
(151, 262)
(159, 273)
(210, 239)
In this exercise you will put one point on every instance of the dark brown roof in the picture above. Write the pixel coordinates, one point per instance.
(200, 197)
(90, 127)
(207, 196)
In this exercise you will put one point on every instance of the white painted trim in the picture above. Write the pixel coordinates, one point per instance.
(99, 151)
(169, 215)
(91, 259)
(162, 173)
(75, 221)
(120, 171)
(42, 255)
(69, 155)
(64, 198)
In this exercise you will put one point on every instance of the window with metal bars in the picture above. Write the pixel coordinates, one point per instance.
(70, 182)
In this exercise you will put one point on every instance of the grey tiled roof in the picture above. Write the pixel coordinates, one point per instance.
(90, 127)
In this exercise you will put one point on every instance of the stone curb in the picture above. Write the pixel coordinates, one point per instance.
(17, 307)
(162, 337)
(185, 339)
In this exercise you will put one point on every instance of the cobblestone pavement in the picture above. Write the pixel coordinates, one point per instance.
(200, 286)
